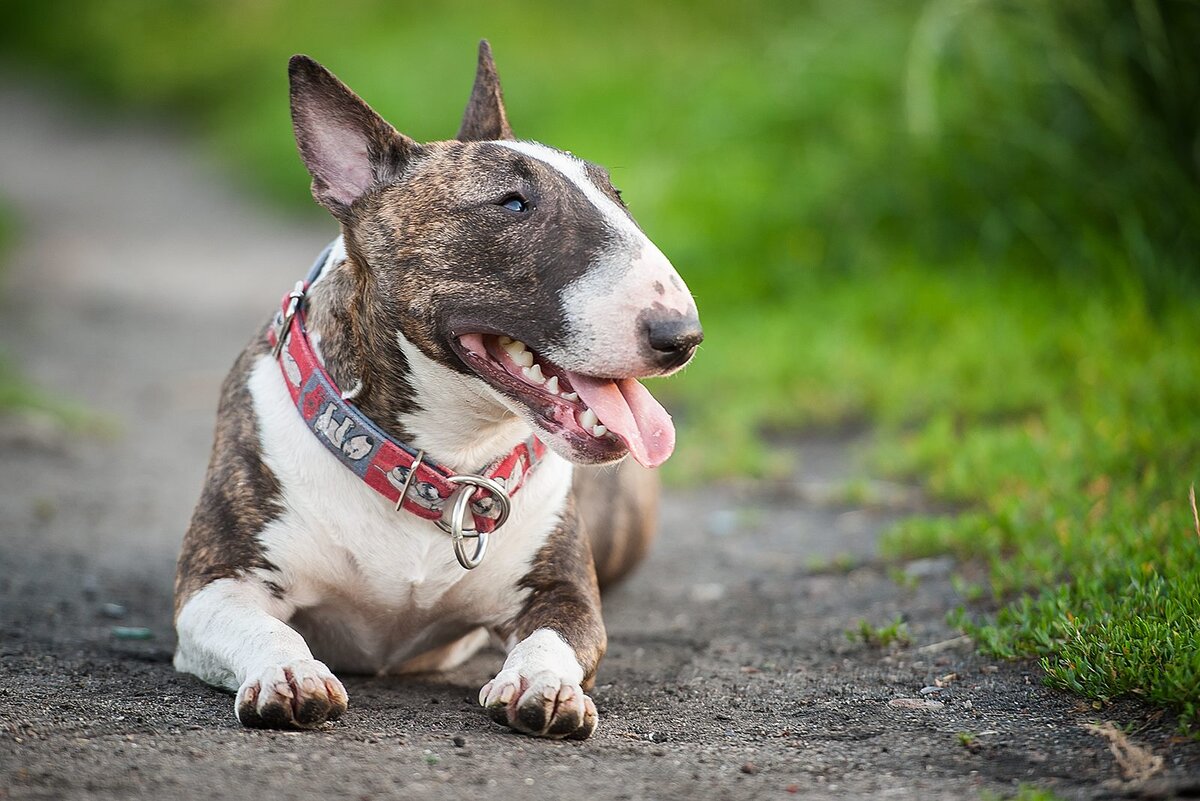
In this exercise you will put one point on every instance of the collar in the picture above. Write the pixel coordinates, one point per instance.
(397, 471)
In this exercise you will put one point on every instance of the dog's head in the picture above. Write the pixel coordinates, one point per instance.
(509, 261)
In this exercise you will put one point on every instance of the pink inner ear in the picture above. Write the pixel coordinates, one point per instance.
(340, 160)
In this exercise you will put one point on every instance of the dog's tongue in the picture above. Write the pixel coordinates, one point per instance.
(628, 410)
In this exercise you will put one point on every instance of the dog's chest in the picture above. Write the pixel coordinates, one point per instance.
(374, 587)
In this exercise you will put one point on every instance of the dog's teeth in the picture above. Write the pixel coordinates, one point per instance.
(588, 419)
(571, 396)
(552, 385)
(599, 431)
(523, 359)
(534, 373)
(505, 341)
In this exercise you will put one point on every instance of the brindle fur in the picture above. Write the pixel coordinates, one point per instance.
(241, 495)
(429, 236)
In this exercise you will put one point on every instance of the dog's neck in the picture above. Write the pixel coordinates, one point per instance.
(454, 418)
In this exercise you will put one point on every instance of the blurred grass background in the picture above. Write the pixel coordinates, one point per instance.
(973, 225)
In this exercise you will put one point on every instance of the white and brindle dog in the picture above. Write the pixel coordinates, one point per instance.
(489, 302)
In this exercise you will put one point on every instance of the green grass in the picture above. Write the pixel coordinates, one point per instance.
(880, 636)
(1025, 792)
(971, 225)
(1083, 473)
(16, 394)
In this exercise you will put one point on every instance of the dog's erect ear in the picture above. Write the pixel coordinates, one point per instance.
(347, 147)
(484, 119)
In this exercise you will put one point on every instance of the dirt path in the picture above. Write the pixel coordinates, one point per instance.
(137, 278)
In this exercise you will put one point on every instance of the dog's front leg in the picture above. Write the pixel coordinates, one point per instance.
(555, 642)
(232, 634)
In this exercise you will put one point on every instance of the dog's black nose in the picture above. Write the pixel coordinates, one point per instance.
(674, 336)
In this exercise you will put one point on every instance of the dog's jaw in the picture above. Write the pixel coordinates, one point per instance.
(588, 420)
(460, 421)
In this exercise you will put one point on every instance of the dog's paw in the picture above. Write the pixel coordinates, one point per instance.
(542, 705)
(298, 695)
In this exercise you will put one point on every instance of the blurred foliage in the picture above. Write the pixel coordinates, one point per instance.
(975, 223)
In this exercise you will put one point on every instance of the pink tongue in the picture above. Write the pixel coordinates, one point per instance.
(628, 410)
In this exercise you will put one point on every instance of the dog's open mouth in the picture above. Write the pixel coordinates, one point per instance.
(600, 417)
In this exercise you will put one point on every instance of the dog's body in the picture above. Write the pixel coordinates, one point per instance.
(450, 252)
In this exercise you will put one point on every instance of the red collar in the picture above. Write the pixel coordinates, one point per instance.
(386, 465)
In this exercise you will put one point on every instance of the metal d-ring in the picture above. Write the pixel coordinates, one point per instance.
(462, 499)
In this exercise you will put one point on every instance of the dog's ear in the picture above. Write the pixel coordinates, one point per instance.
(484, 119)
(345, 145)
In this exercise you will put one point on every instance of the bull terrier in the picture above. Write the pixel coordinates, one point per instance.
(406, 456)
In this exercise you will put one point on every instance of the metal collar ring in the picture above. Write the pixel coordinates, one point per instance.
(462, 500)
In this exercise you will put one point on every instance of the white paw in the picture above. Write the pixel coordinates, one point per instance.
(299, 694)
(543, 704)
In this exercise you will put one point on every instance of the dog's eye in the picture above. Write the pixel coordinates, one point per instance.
(514, 203)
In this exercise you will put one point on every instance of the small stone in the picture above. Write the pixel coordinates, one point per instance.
(707, 593)
(723, 522)
(929, 568)
(113, 611)
(132, 633)
(459, 741)
(749, 768)
(916, 703)
(931, 691)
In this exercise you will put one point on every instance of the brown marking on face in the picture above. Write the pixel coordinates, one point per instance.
(619, 509)
(659, 288)
(241, 494)
(433, 255)
(440, 240)
(564, 596)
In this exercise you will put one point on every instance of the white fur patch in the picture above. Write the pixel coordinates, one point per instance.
(460, 421)
(601, 307)
(545, 651)
(233, 627)
(372, 587)
(573, 170)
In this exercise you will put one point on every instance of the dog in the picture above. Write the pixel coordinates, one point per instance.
(490, 302)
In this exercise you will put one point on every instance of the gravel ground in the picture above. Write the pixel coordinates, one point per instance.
(138, 275)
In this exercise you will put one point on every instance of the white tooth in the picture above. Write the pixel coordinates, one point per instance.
(534, 374)
(524, 358)
(588, 419)
(599, 431)
(571, 396)
(552, 385)
(505, 341)
(513, 347)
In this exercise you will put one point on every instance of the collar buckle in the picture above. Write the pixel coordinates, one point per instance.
(285, 327)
